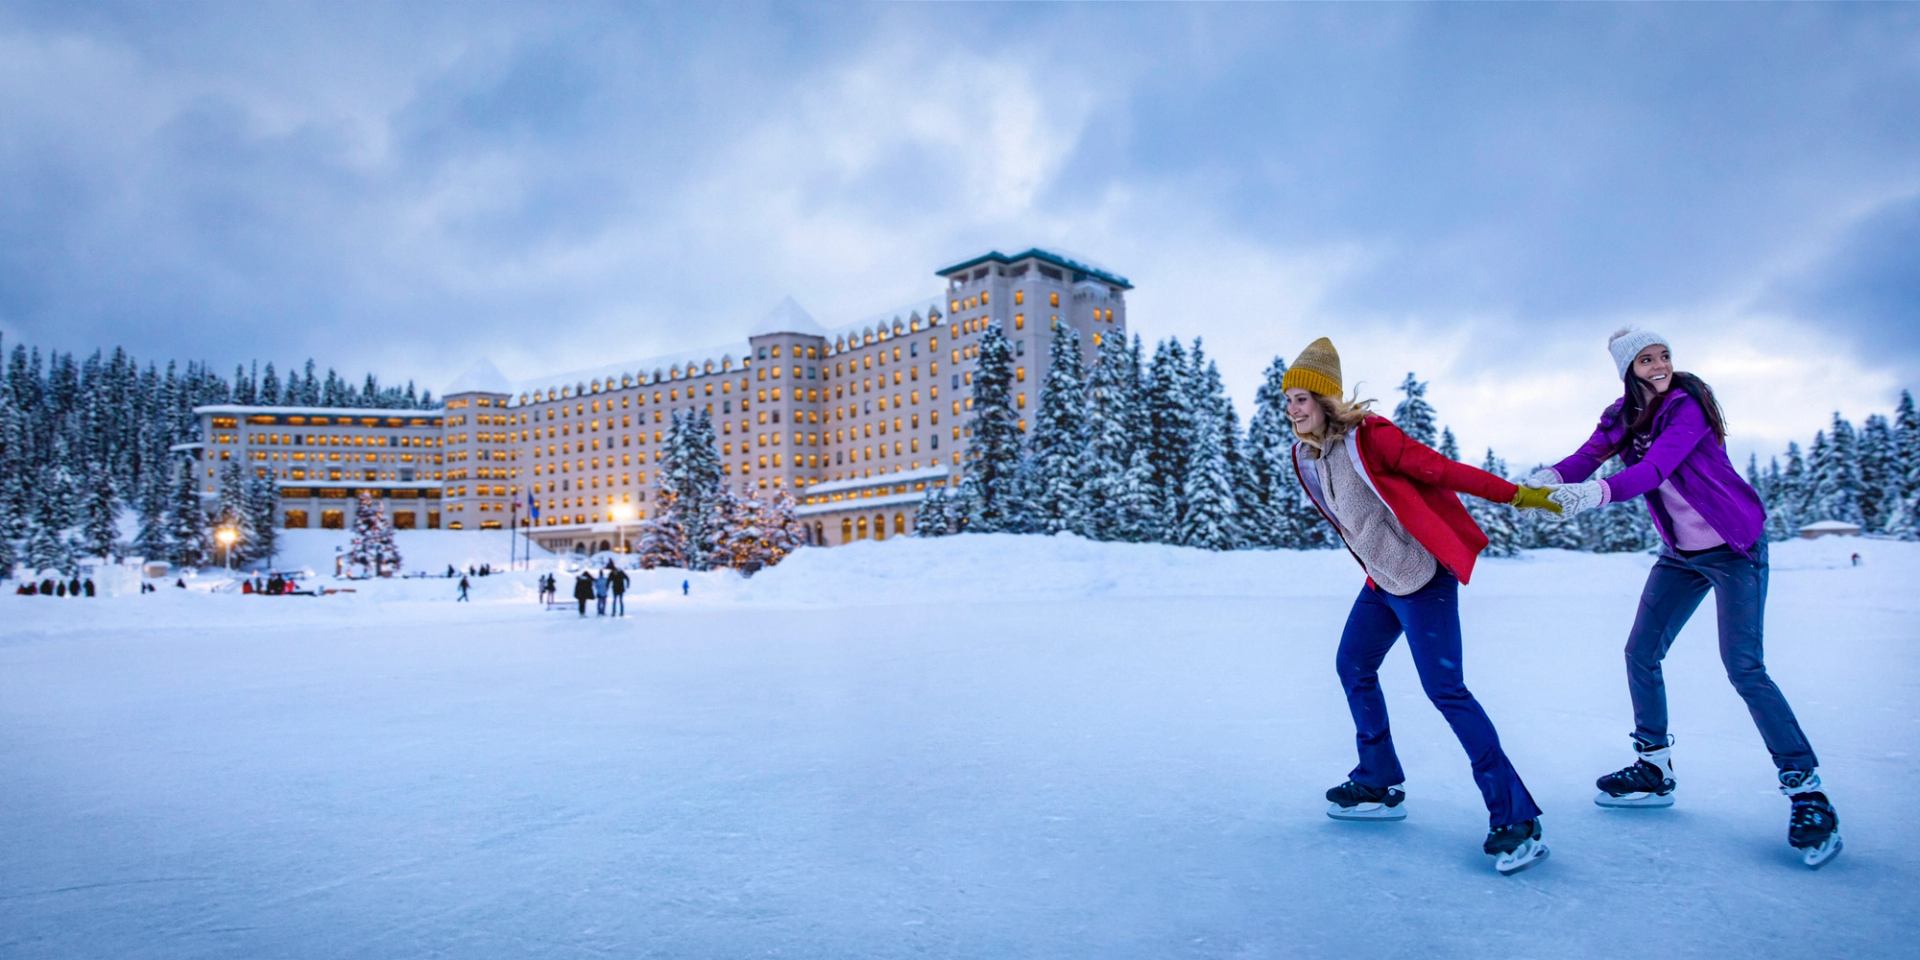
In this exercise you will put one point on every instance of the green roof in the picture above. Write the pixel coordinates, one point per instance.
(1080, 271)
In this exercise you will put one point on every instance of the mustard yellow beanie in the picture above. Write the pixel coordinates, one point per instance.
(1317, 368)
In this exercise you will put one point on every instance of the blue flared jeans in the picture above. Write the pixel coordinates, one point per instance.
(1430, 618)
(1673, 592)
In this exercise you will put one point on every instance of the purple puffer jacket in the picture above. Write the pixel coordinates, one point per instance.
(1684, 451)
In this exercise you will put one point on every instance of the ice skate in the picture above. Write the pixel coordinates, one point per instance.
(1813, 828)
(1515, 846)
(1648, 782)
(1355, 801)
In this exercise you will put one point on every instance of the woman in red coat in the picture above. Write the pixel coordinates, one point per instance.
(1394, 503)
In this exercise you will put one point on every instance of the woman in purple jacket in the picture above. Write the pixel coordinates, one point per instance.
(1669, 433)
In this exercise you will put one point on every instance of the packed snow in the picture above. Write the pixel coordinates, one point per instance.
(979, 746)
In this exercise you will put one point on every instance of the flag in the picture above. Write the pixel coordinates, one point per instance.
(533, 509)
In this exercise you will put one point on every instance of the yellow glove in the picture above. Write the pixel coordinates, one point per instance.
(1534, 498)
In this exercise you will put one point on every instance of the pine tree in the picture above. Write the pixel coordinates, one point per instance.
(1056, 496)
(1792, 492)
(262, 506)
(993, 459)
(1170, 424)
(1779, 526)
(1449, 447)
(1904, 520)
(152, 541)
(100, 524)
(1834, 475)
(1414, 416)
(1212, 515)
(662, 542)
(373, 549)
(930, 517)
(1876, 459)
(1110, 400)
(1496, 520)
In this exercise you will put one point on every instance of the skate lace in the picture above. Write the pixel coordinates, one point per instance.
(1808, 813)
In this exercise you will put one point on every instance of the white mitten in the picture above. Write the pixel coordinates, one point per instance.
(1543, 477)
(1576, 498)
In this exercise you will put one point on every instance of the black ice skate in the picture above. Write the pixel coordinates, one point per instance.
(1515, 846)
(1647, 783)
(1814, 827)
(1357, 801)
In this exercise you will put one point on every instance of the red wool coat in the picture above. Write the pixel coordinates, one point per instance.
(1418, 485)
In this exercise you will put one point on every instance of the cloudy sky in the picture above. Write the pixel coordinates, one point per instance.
(1478, 194)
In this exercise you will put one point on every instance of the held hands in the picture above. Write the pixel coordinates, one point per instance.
(1535, 498)
(1577, 498)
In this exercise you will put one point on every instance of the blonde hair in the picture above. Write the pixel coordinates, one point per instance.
(1341, 417)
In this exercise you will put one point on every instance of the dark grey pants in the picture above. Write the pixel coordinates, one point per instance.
(1674, 590)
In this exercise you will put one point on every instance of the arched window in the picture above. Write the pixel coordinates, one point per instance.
(879, 526)
(862, 527)
(846, 530)
(900, 524)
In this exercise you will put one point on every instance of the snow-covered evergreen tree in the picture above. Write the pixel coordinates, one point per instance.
(1414, 416)
(1055, 499)
(1496, 520)
(1211, 519)
(992, 470)
(662, 541)
(1110, 402)
(930, 516)
(100, 521)
(1449, 447)
(1876, 458)
(153, 542)
(262, 506)
(1903, 520)
(372, 549)
(1170, 424)
(1833, 483)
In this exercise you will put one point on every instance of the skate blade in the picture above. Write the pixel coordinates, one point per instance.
(1367, 811)
(1817, 857)
(1606, 799)
(1525, 855)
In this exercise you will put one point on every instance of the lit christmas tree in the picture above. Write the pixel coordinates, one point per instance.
(373, 547)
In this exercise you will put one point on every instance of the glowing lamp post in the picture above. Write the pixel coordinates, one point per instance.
(226, 536)
(623, 513)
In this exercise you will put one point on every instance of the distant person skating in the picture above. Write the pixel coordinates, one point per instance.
(583, 590)
(1393, 501)
(683, 588)
(1668, 430)
(618, 587)
(600, 589)
(1856, 559)
(463, 591)
(88, 586)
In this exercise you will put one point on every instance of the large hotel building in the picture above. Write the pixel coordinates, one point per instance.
(857, 421)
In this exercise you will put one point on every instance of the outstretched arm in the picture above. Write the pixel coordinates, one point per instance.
(1411, 458)
(1587, 460)
(1676, 440)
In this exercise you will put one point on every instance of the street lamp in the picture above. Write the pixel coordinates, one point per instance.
(226, 536)
(622, 513)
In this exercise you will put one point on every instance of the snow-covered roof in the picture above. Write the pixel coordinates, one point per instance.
(869, 503)
(482, 377)
(788, 317)
(366, 484)
(1831, 525)
(241, 410)
(1079, 267)
(648, 369)
(884, 480)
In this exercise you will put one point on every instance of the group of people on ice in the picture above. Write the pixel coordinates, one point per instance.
(1393, 502)
(55, 587)
(607, 590)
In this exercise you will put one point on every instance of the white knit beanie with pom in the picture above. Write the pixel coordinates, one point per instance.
(1626, 343)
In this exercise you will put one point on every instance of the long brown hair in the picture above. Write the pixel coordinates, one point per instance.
(1642, 403)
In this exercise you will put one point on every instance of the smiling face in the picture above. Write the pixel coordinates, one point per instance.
(1303, 408)
(1654, 367)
